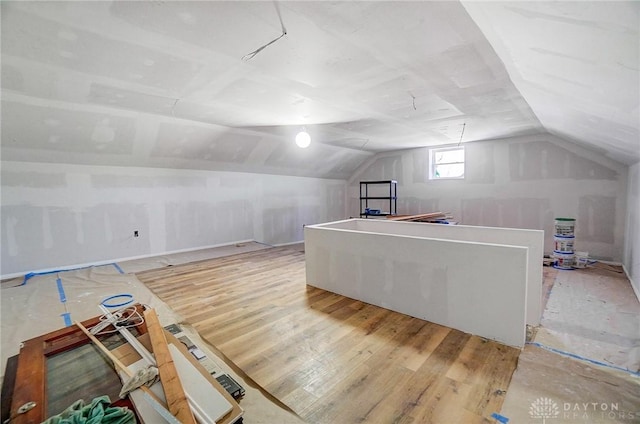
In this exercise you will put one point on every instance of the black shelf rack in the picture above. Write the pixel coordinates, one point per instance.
(365, 209)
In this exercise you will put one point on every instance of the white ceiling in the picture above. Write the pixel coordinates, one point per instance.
(577, 65)
(164, 83)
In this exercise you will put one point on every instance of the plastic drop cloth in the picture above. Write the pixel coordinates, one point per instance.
(592, 314)
(35, 308)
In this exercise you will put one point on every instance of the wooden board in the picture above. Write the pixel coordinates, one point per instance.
(424, 217)
(171, 385)
(330, 358)
(7, 387)
(212, 406)
(128, 355)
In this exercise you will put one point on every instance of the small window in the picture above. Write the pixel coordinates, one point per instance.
(446, 163)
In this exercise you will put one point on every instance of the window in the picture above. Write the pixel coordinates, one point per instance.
(446, 163)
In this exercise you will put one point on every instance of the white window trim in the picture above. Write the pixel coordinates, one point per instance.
(433, 151)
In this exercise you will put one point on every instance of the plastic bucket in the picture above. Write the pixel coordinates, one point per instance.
(582, 259)
(564, 226)
(563, 243)
(564, 260)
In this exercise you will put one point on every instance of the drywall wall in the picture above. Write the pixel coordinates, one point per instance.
(457, 287)
(631, 259)
(532, 239)
(522, 182)
(56, 215)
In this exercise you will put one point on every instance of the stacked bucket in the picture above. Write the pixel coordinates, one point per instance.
(563, 240)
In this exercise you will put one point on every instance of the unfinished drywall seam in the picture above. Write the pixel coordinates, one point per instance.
(102, 214)
(505, 187)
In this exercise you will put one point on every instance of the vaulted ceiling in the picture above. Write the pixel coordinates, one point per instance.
(174, 84)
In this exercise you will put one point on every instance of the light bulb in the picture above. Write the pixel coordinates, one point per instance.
(303, 139)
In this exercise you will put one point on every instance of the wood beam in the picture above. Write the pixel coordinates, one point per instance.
(173, 390)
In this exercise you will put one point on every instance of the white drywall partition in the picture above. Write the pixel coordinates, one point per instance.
(478, 288)
(631, 258)
(533, 239)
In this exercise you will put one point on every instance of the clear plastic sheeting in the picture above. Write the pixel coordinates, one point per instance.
(564, 390)
(583, 364)
(593, 312)
(35, 308)
(38, 307)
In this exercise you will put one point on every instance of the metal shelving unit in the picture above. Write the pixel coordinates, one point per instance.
(367, 211)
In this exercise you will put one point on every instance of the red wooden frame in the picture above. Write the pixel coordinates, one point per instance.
(30, 380)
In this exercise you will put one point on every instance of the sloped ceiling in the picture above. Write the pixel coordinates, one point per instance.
(165, 84)
(577, 65)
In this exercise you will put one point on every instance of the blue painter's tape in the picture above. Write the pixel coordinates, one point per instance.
(30, 275)
(500, 418)
(582, 358)
(63, 297)
(118, 268)
(27, 277)
(67, 319)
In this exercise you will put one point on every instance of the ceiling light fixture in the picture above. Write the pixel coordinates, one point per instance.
(303, 139)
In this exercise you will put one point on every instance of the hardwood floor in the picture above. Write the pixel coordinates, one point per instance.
(332, 359)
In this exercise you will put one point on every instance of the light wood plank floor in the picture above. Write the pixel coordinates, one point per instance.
(332, 359)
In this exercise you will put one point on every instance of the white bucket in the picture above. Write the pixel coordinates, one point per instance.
(564, 260)
(582, 259)
(563, 243)
(564, 226)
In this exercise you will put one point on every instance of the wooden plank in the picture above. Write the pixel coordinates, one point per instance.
(7, 387)
(173, 391)
(69, 337)
(31, 368)
(237, 411)
(417, 217)
(206, 402)
(115, 359)
(128, 355)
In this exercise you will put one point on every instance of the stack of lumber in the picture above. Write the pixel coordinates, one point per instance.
(424, 217)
